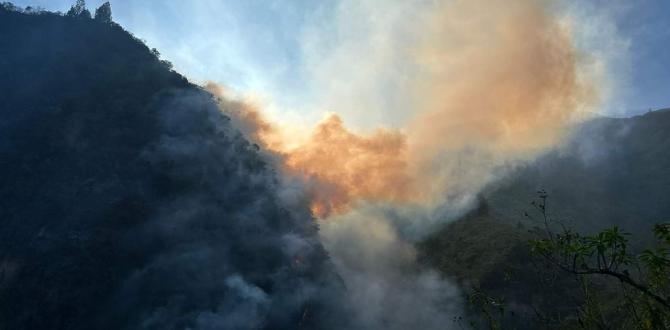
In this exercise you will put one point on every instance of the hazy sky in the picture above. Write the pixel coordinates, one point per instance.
(267, 48)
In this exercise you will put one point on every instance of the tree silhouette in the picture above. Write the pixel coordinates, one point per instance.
(79, 10)
(104, 13)
(608, 254)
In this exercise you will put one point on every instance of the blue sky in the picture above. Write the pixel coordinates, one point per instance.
(648, 27)
(263, 47)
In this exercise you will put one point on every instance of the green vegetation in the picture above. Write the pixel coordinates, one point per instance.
(507, 287)
(610, 173)
(645, 277)
(552, 277)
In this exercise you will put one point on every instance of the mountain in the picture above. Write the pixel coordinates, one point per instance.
(128, 200)
(610, 171)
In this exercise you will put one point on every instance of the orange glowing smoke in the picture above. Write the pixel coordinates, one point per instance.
(342, 167)
(337, 167)
(498, 77)
(503, 80)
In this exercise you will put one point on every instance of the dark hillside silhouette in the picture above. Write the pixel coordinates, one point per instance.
(128, 201)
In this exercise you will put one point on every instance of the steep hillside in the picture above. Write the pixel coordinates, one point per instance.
(128, 200)
(612, 172)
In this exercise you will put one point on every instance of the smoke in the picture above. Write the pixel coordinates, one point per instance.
(343, 167)
(476, 87)
(384, 283)
(175, 220)
(235, 257)
(483, 86)
(177, 223)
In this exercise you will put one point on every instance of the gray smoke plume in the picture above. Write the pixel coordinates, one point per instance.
(181, 224)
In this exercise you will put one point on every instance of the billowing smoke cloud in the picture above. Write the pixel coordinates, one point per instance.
(503, 82)
(486, 85)
(384, 283)
(177, 222)
(336, 166)
(498, 80)
(343, 167)
(479, 87)
(235, 257)
(174, 220)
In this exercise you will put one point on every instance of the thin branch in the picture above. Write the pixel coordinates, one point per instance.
(622, 277)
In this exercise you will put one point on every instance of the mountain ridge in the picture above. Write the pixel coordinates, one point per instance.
(611, 172)
(129, 200)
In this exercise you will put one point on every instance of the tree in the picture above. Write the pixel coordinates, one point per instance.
(607, 254)
(104, 13)
(79, 10)
(9, 6)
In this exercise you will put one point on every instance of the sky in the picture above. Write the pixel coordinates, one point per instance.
(284, 54)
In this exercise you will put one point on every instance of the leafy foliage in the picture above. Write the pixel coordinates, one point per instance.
(607, 254)
(503, 282)
(495, 265)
